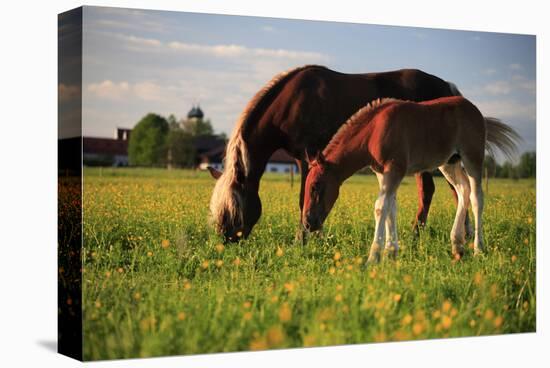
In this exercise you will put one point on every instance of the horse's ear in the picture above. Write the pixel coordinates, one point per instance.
(320, 158)
(306, 156)
(215, 173)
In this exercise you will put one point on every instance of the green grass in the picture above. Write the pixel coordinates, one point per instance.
(142, 299)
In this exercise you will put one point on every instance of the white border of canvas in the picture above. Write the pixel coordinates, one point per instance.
(28, 182)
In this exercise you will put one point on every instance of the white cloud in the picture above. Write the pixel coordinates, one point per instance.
(268, 29)
(498, 88)
(109, 90)
(222, 78)
(146, 91)
(231, 51)
(140, 44)
(490, 71)
(515, 66)
(529, 86)
(508, 109)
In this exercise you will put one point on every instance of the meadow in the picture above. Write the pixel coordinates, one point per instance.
(158, 281)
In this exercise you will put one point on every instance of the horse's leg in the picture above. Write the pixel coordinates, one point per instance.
(467, 223)
(389, 181)
(392, 247)
(301, 234)
(425, 186)
(474, 172)
(456, 177)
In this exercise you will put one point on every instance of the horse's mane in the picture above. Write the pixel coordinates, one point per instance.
(371, 108)
(225, 202)
(236, 151)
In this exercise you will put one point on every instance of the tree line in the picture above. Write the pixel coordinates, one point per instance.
(158, 141)
(525, 168)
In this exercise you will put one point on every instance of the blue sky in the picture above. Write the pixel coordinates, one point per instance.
(140, 61)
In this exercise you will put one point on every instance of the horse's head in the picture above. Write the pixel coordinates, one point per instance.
(235, 205)
(320, 193)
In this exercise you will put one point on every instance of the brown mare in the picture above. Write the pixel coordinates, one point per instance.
(299, 111)
(395, 138)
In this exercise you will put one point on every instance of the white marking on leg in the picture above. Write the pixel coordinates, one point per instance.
(392, 245)
(388, 183)
(456, 176)
(476, 197)
(380, 213)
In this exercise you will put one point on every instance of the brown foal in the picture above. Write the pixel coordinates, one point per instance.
(395, 138)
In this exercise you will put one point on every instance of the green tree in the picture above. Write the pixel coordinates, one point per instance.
(489, 166)
(147, 141)
(507, 170)
(180, 151)
(172, 122)
(197, 127)
(527, 167)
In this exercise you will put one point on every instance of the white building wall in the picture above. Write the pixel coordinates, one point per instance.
(272, 167)
(275, 167)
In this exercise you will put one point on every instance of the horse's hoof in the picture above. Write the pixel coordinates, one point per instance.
(300, 237)
(457, 252)
(373, 258)
(457, 257)
(479, 252)
(391, 252)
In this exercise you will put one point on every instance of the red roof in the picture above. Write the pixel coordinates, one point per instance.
(104, 146)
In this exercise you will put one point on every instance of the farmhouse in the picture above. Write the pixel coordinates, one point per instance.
(106, 151)
(210, 149)
(280, 161)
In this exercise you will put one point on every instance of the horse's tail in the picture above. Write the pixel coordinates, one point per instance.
(502, 137)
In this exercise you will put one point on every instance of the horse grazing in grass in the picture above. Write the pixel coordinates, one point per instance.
(396, 138)
(299, 111)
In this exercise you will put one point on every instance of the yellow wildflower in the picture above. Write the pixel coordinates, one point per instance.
(418, 328)
(258, 344)
(446, 322)
(285, 313)
(489, 314)
(289, 287)
(498, 321)
(275, 336)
